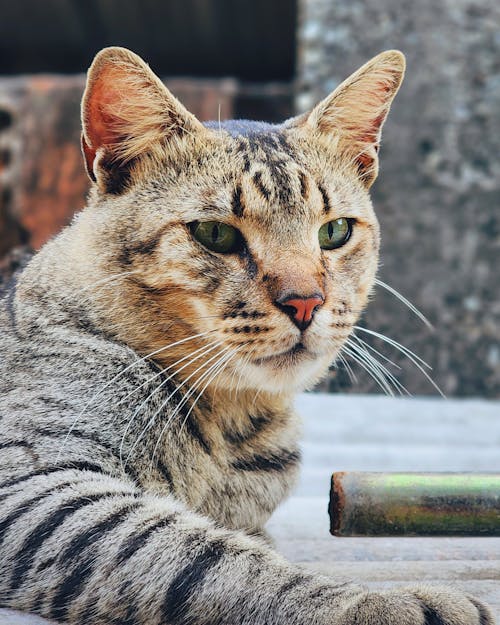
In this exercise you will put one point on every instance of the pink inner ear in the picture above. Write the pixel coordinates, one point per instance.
(101, 125)
(372, 131)
(364, 161)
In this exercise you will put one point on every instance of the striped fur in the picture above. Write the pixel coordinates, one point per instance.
(146, 428)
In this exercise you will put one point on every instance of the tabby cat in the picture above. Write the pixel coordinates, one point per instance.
(150, 354)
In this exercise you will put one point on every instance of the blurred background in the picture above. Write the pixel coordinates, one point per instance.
(438, 196)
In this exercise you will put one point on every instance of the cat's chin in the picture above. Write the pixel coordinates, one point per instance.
(292, 371)
(289, 358)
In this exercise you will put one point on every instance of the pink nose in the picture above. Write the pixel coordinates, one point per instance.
(301, 309)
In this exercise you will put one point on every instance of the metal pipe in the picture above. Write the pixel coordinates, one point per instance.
(415, 504)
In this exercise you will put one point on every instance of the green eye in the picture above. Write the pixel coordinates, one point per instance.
(217, 236)
(334, 233)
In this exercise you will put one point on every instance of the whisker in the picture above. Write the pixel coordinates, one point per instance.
(157, 375)
(231, 382)
(242, 371)
(220, 366)
(348, 368)
(118, 375)
(362, 352)
(206, 350)
(416, 360)
(165, 402)
(375, 351)
(256, 396)
(216, 367)
(406, 302)
(259, 390)
(405, 350)
(192, 389)
(241, 368)
(369, 368)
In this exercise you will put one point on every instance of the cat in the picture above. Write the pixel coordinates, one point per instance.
(151, 351)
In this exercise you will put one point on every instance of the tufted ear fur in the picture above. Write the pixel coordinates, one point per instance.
(127, 112)
(350, 119)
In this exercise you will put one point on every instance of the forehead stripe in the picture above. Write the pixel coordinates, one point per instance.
(260, 186)
(326, 200)
(237, 203)
(304, 185)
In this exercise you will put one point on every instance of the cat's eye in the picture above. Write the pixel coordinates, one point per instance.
(335, 233)
(217, 236)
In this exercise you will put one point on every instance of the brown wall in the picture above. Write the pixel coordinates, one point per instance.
(42, 178)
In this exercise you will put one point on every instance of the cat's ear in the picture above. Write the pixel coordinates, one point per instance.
(126, 112)
(350, 119)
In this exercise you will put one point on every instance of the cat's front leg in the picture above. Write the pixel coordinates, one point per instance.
(414, 605)
(84, 548)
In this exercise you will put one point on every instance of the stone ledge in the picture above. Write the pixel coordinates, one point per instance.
(11, 617)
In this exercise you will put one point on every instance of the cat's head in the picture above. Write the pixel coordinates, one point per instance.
(259, 238)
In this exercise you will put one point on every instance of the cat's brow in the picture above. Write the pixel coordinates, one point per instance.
(325, 198)
(238, 202)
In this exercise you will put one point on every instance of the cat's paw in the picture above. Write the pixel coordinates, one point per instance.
(416, 605)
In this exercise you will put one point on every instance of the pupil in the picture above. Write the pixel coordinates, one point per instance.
(215, 233)
(330, 230)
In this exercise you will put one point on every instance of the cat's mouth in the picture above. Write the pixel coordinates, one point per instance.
(288, 357)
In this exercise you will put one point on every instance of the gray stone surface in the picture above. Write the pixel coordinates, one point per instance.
(12, 617)
(438, 196)
(367, 433)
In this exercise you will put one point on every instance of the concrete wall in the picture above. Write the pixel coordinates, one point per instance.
(438, 195)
